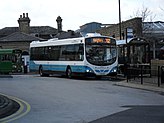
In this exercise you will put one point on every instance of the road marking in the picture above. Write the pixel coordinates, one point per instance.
(22, 111)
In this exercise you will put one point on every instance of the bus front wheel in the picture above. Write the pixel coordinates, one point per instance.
(41, 72)
(69, 73)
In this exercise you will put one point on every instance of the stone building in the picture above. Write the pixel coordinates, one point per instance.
(153, 32)
(113, 30)
(21, 37)
(17, 40)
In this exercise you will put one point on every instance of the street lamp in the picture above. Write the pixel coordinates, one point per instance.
(119, 18)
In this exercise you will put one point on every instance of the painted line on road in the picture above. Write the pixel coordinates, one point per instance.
(23, 110)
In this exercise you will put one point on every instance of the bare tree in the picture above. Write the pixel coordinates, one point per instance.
(145, 13)
(161, 8)
(147, 16)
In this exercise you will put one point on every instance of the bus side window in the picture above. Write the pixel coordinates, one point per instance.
(62, 53)
(79, 55)
(81, 52)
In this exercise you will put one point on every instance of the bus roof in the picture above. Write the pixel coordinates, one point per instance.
(56, 41)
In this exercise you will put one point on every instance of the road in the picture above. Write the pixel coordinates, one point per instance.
(61, 100)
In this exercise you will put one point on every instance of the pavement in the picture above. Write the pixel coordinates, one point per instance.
(6, 76)
(145, 86)
(137, 114)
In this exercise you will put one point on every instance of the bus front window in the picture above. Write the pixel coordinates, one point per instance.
(101, 54)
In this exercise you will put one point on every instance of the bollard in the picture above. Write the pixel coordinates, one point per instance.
(25, 69)
(127, 74)
(141, 75)
(158, 76)
(162, 74)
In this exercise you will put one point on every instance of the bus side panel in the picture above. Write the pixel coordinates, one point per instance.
(33, 66)
(52, 68)
(78, 69)
(82, 70)
(5, 67)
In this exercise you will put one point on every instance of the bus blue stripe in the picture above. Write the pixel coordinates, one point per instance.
(61, 68)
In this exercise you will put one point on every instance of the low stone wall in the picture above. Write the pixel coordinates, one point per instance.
(154, 66)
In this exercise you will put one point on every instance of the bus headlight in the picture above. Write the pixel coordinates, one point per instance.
(88, 70)
(114, 70)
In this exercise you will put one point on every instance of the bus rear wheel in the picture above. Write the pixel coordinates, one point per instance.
(69, 73)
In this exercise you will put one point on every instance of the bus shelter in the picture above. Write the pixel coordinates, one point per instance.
(133, 52)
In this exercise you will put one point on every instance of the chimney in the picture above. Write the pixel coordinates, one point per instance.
(59, 24)
(24, 23)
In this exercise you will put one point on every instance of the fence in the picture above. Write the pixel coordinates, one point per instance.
(142, 74)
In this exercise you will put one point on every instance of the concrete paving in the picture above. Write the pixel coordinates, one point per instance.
(138, 114)
(144, 86)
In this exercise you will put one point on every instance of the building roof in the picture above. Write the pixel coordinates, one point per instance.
(43, 30)
(69, 34)
(155, 26)
(33, 29)
(154, 29)
(19, 36)
(8, 30)
(89, 27)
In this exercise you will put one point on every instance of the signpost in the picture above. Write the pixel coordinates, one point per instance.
(129, 34)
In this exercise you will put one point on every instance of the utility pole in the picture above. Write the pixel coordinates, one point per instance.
(119, 18)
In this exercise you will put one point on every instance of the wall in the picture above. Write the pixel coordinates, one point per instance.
(24, 46)
(154, 66)
(135, 24)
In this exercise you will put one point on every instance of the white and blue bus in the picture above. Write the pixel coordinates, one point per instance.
(92, 55)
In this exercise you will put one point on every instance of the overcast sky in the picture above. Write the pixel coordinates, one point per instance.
(74, 12)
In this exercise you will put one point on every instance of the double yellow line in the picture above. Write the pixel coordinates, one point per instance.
(23, 110)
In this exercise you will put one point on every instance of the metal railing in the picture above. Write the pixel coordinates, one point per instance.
(142, 74)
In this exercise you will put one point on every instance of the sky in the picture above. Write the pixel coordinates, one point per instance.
(75, 13)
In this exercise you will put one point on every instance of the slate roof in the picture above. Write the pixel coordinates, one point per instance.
(19, 36)
(43, 30)
(33, 29)
(8, 30)
(69, 34)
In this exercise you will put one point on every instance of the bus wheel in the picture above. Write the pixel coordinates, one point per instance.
(41, 71)
(69, 73)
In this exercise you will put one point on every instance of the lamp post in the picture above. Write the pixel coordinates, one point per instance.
(119, 18)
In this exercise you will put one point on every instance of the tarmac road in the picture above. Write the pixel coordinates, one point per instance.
(62, 100)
